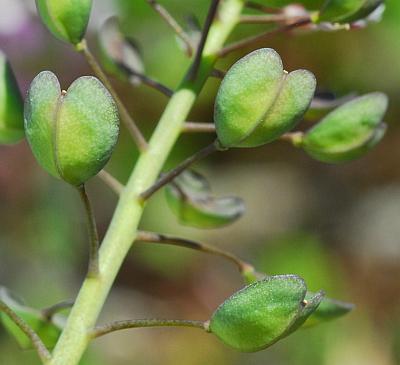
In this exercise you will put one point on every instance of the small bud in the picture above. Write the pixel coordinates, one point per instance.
(72, 135)
(66, 19)
(262, 313)
(190, 198)
(258, 101)
(11, 105)
(349, 131)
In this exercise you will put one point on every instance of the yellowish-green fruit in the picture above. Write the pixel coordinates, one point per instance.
(72, 134)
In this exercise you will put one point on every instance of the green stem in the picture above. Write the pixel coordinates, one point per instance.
(142, 323)
(123, 228)
(130, 124)
(37, 343)
(93, 267)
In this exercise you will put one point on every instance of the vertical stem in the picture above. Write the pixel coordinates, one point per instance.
(124, 114)
(124, 224)
(93, 267)
(29, 332)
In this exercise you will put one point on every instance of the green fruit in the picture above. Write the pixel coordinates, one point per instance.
(66, 19)
(258, 101)
(262, 313)
(11, 105)
(349, 131)
(347, 11)
(190, 199)
(72, 134)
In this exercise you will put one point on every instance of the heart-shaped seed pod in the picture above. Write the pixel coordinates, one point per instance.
(190, 198)
(262, 313)
(11, 105)
(67, 20)
(349, 131)
(72, 134)
(258, 101)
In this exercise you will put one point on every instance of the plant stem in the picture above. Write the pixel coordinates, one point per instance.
(37, 343)
(265, 9)
(258, 38)
(170, 20)
(124, 114)
(111, 181)
(142, 323)
(93, 267)
(172, 174)
(150, 83)
(49, 312)
(150, 237)
(123, 228)
(194, 127)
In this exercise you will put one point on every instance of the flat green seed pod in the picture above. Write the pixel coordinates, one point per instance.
(11, 105)
(349, 131)
(258, 101)
(48, 331)
(66, 19)
(72, 134)
(190, 199)
(259, 315)
(329, 309)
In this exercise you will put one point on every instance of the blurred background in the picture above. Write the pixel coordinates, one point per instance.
(338, 226)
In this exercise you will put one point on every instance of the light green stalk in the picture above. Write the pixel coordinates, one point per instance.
(123, 228)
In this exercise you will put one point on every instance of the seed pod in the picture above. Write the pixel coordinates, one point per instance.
(262, 313)
(349, 131)
(258, 101)
(190, 198)
(72, 134)
(11, 105)
(347, 11)
(67, 20)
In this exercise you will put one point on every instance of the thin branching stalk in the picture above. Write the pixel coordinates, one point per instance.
(124, 114)
(172, 174)
(143, 323)
(261, 37)
(37, 343)
(151, 237)
(170, 20)
(49, 312)
(122, 230)
(268, 19)
(212, 12)
(111, 181)
(194, 127)
(93, 267)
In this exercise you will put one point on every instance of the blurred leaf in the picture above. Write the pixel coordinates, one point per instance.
(48, 331)
(349, 131)
(189, 197)
(258, 101)
(120, 55)
(11, 105)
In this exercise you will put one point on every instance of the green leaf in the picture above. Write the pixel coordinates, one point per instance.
(11, 105)
(72, 134)
(328, 310)
(66, 19)
(48, 331)
(120, 55)
(262, 313)
(258, 101)
(349, 131)
(347, 11)
(189, 197)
